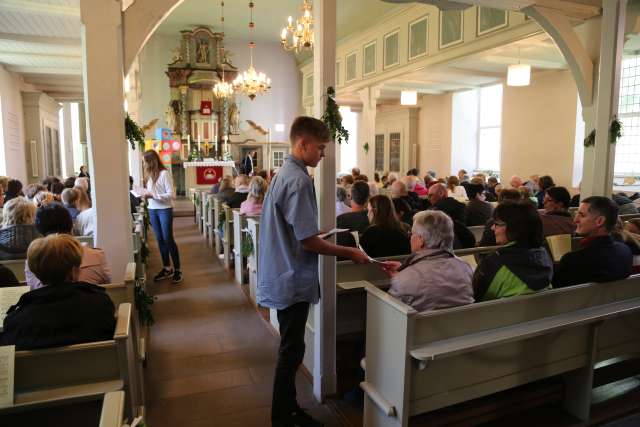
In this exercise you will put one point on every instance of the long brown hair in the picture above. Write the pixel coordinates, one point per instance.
(384, 214)
(152, 165)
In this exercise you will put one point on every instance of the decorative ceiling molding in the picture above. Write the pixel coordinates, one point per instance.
(28, 38)
(39, 8)
(440, 4)
(44, 70)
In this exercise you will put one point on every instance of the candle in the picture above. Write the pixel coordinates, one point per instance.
(189, 143)
(198, 143)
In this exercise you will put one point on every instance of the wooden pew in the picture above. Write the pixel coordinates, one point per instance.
(198, 207)
(112, 412)
(192, 197)
(253, 226)
(17, 267)
(79, 372)
(217, 210)
(239, 225)
(204, 205)
(227, 236)
(420, 362)
(210, 225)
(477, 231)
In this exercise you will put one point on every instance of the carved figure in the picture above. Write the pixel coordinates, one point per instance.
(234, 119)
(176, 56)
(170, 117)
(203, 51)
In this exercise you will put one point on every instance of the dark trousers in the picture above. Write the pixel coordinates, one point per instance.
(290, 354)
(162, 224)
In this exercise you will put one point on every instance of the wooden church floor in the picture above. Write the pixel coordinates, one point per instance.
(211, 358)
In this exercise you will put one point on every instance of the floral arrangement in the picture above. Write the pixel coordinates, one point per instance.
(333, 119)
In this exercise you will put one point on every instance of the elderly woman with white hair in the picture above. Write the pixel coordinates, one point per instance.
(432, 277)
(257, 191)
(18, 228)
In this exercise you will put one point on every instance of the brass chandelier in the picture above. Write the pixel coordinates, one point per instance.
(222, 89)
(250, 82)
(301, 33)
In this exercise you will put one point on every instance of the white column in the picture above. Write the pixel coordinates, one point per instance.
(67, 168)
(367, 132)
(102, 52)
(324, 68)
(598, 179)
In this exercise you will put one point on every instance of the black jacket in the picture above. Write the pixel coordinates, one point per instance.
(236, 200)
(602, 259)
(451, 207)
(382, 242)
(353, 221)
(58, 315)
(477, 212)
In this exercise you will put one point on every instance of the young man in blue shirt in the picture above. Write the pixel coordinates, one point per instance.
(288, 260)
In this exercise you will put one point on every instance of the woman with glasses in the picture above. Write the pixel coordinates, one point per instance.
(521, 265)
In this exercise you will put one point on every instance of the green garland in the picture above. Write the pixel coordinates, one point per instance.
(333, 119)
(144, 301)
(615, 132)
(246, 249)
(133, 133)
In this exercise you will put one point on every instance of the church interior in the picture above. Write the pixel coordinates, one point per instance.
(478, 159)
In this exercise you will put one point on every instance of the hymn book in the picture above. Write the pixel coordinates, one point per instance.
(9, 296)
(7, 363)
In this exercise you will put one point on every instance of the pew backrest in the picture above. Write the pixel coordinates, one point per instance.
(112, 412)
(17, 267)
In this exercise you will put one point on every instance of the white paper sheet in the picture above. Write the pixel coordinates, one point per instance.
(138, 191)
(7, 363)
(9, 296)
(332, 232)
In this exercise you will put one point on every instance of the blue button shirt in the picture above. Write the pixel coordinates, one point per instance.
(287, 274)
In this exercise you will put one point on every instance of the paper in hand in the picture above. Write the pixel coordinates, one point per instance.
(332, 232)
(371, 260)
(138, 191)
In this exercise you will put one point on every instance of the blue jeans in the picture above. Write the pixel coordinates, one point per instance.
(162, 224)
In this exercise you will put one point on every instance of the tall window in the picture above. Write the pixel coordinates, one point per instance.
(379, 159)
(489, 128)
(627, 161)
(477, 129)
(349, 149)
(278, 159)
(394, 152)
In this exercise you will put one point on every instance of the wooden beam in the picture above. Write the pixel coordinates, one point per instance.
(41, 55)
(46, 40)
(44, 70)
(39, 8)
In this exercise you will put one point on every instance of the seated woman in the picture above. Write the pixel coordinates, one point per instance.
(257, 190)
(522, 266)
(384, 237)
(94, 268)
(342, 201)
(455, 190)
(64, 311)
(18, 229)
(433, 277)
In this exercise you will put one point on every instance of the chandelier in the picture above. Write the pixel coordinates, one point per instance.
(250, 82)
(222, 89)
(301, 33)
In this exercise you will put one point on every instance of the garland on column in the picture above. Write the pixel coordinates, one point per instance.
(133, 133)
(615, 133)
(333, 119)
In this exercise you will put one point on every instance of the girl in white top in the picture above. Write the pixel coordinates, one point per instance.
(159, 194)
(455, 190)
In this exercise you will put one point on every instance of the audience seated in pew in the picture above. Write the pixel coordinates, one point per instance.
(477, 211)
(43, 198)
(633, 226)
(432, 277)
(399, 191)
(63, 311)
(70, 202)
(556, 218)
(632, 241)
(257, 191)
(601, 257)
(241, 192)
(455, 210)
(625, 204)
(225, 190)
(384, 237)
(488, 236)
(358, 218)
(18, 228)
(13, 190)
(342, 201)
(31, 190)
(94, 268)
(523, 265)
(455, 190)
(490, 189)
(134, 201)
(404, 215)
(544, 182)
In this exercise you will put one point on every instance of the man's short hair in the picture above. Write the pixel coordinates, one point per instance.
(355, 172)
(309, 126)
(360, 192)
(31, 190)
(604, 206)
(560, 195)
(53, 218)
(435, 228)
(53, 257)
(474, 189)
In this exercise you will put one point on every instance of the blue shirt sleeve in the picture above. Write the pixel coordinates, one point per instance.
(300, 209)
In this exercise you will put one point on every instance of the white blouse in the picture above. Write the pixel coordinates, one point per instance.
(161, 191)
(458, 193)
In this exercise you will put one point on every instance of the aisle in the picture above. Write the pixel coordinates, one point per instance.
(210, 357)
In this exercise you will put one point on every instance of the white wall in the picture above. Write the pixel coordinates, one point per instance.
(12, 156)
(280, 105)
(464, 131)
(434, 134)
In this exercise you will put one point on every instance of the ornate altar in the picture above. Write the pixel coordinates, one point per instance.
(194, 115)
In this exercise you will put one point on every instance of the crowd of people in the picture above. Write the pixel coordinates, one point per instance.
(430, 217)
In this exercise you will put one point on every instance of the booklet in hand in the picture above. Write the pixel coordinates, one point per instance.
(332, 232)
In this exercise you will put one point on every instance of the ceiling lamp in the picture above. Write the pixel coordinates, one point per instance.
(519, 75)
(408, 97)
(301, 33)
(222, 89)
(250, 82)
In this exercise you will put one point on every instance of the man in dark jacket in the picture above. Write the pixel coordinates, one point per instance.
(356, 220)
(601, 258)
(463, 237)
(556, 218)
(477, 211)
